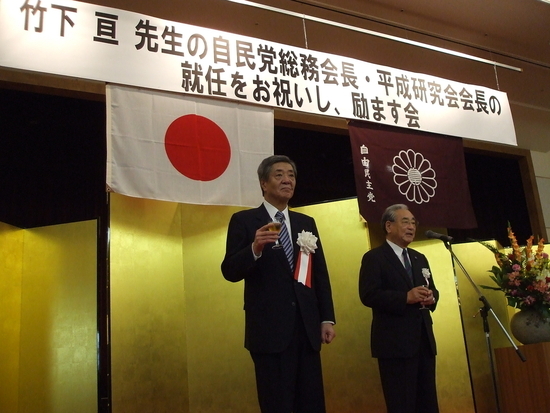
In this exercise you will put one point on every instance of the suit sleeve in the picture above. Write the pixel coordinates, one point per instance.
(378, 287)
(322, 285)
(432, 284)
(239, 260)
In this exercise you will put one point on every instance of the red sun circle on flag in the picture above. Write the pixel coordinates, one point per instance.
(197, 147)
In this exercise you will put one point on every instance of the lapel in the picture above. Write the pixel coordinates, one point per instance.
(261, 216)
(396, 263)
(299, 223)
(417, 271)
(296, 226)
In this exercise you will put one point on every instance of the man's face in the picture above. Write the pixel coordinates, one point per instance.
(403, 230)
(280, 185)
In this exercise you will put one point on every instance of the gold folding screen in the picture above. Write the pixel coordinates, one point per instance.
(177, 325)
(48, 279)
(148, 320)
(11, 270)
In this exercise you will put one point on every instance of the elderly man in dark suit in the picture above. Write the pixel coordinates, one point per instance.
(395, 281)
(287, 294)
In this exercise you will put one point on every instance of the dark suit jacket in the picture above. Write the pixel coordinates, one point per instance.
(383, 284)
(272, 298)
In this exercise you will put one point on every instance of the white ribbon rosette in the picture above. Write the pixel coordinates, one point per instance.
(426, 273)
(308, 244)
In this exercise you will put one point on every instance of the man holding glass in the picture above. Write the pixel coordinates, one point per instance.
(288, 304)
(396, 282)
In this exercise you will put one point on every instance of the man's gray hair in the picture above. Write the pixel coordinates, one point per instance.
(267, 164)
(389, 214)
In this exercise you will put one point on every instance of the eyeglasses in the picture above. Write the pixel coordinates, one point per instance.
(405, 222)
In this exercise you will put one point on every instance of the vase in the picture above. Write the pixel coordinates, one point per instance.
(530, 327)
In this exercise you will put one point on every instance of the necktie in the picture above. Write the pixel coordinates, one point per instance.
(407, 263)
(284, 239)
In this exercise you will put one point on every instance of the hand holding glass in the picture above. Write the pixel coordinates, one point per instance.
(275, 226)
(427, 285)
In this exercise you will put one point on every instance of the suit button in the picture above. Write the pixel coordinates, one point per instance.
(293, 304)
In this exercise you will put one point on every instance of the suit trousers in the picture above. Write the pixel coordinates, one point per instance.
(290, 381)
(409, 383)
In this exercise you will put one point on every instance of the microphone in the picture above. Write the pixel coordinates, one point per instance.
(436, 235)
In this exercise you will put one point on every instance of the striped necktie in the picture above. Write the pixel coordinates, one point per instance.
(284, 239)
(407, 262)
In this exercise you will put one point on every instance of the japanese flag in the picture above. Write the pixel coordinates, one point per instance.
(185, 149)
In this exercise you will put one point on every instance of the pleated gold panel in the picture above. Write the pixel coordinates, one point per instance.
(11, 275)
(453, 380)
(51, 306)
(148, 332)
(350, 373)
(478, 260)
(221, 375)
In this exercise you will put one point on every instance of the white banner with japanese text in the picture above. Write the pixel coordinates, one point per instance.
(93, 42)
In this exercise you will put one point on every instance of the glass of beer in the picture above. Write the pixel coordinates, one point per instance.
(275, 226)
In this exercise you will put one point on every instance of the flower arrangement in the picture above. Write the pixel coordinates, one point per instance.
(523, 275)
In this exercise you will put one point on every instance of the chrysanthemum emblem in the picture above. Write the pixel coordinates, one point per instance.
(414, 176)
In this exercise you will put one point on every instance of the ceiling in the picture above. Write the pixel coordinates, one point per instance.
(519, 29)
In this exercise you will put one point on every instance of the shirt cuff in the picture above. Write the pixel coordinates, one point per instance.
(255, 256)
